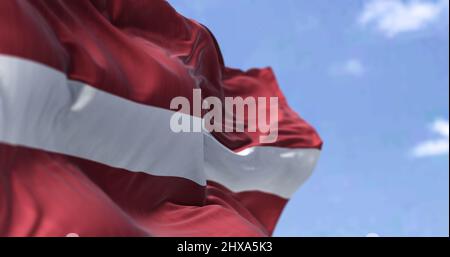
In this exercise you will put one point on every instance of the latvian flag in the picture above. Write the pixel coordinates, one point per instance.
(87, 144)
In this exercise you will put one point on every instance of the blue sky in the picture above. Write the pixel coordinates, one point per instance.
(372, 77)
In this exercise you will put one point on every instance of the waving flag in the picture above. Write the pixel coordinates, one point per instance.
(86, 146)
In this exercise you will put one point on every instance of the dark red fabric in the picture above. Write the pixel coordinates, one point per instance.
(146, 52)
(46, 194)
(142, 50)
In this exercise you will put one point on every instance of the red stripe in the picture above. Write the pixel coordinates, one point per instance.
(46, 194)
(143, 51)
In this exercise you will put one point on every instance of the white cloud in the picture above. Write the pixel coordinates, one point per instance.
(352, 67)
(393, 17)
(435, 147)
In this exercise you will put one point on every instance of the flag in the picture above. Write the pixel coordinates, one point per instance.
(86, 145)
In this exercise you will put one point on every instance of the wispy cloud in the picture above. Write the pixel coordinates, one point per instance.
(392, 17)
(352, 67)
(438, 146)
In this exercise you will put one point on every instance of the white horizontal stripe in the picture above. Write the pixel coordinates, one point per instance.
(40, 108)
(269, 169)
